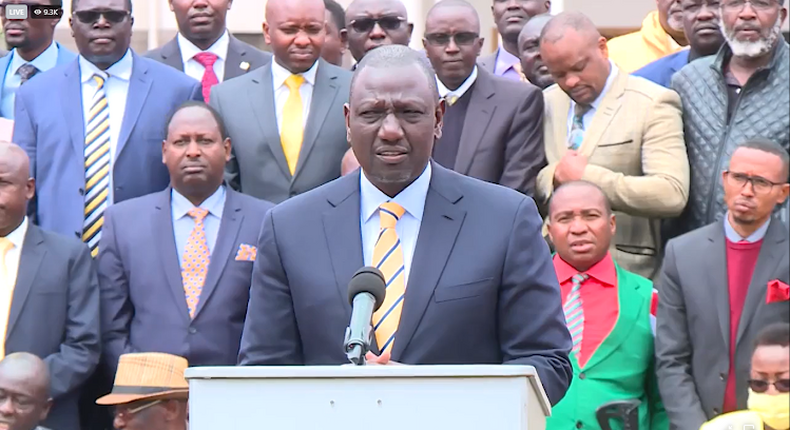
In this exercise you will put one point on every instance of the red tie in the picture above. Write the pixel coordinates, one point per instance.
(207, 60)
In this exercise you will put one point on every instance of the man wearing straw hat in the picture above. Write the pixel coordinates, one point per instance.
(149, 393)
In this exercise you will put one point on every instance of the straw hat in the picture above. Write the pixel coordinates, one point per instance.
(148, 376)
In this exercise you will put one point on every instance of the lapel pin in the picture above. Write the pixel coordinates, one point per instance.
(244, 66)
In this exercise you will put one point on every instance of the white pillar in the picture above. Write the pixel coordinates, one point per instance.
(153, 24)
(416, 11)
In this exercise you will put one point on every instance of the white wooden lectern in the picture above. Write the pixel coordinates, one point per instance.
(503, 397)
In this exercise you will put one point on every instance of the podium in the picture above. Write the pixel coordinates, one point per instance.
(473, 397)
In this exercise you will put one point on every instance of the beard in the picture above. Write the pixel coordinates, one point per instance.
(748, 48)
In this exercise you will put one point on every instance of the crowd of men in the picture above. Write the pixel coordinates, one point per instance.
(611, 212)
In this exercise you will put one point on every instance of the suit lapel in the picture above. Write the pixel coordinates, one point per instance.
(629, 311)
(171, 54)
(4, 63)
(139, 86)
(343, 233)
(478, 115)
(30, 261)
(73, 109)
(441, 223)
(263, 106)
(773, 244)
(603, 115)
(560, 122)
(232, 217)
(236, 53)
(163, 230)
(716, 274)
(324, 93)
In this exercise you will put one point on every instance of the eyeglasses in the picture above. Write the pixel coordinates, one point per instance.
(760, 386)
(127, 413)
(93, 16)
(387, 23)
(759, 185)
(739, 5)
(443, 39)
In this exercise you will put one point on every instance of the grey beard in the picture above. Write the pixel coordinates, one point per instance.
(750, 49)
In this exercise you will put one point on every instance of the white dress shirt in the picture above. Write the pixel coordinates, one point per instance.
(588, 117)
(412, 198)
(460, 91)
(281, 91)
(734, 237)
(116, 87)
(45, 61)
(195, 70)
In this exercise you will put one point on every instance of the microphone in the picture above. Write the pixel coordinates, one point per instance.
(366, 292)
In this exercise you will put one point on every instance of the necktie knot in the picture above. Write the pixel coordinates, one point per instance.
(27, 71)
(451, 99)
(580, 110)
(206, 59)
(199, 214)
(100, 80)
(579, 278)
(5, 246)
(390, 213)
(294, 82)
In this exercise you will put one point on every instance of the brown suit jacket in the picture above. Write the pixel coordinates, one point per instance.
(636, 154)
(502, 137)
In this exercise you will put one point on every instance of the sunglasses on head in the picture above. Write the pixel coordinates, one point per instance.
(387, 23)
(760, 386)
(93, 16)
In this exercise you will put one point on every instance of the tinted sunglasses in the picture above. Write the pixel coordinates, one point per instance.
(93, 16)
(443, 39)
(387, 23)
(760, 386)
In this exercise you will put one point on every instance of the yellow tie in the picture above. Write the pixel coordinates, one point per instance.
(520, 71)
(293, 124)
(388, 257)
(7, 292)
(97, 167)
(196, 258)
(451, 99)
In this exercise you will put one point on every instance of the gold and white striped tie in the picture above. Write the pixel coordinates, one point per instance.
(388, 257)
(97, 167)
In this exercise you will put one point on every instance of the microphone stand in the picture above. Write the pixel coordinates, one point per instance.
(357, 345)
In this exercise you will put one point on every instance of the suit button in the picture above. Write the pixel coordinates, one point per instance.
(582, 376)
(715, 411)
(76, 233)
(722, 376)
(192, 330)
(82, 192)
(292, 194)
(579, 424)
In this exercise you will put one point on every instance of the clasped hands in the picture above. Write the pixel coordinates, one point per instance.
(570, 168)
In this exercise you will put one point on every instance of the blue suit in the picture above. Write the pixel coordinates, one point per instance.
(661, 70)
(64, 56)
(49, 125)
(144, 308)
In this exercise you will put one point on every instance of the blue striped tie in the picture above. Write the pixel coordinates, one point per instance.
(388, 257)
(97, 167)
(574, 313)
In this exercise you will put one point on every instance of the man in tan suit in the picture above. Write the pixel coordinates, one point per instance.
(622, 133)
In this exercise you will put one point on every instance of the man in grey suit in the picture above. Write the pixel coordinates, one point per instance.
(286, 118)
(493, 127)
(481, 285)
(184, 289)
(719, 286)
(48, 291)
(510, 17)
(204, 49)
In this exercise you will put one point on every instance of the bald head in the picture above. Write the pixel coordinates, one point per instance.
(455, 5)
(27, 368)
(534, 27)
(579, 190)
(276, 8)
(14, 159)
(365, 6)
(559, 26)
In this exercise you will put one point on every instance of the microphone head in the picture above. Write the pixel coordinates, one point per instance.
(368, 280)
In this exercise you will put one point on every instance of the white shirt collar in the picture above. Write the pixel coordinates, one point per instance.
(189, 50)
(412, 198)
(280, 74)
(733, 236)
(460, 91)
(17, 237)
(45, 61)
(214, 204)
(122, 69)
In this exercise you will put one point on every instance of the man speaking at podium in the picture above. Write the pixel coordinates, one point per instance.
(469, 277)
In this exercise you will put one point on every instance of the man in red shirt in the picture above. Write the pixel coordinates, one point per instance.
(608, 311)
(719, 285)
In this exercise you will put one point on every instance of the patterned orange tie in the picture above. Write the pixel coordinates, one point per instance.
(388, 257)
(196, 258)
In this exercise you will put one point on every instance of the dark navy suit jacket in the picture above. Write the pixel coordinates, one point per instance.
(481, 290)
(661, 70)
(49, 125)
(144, 308)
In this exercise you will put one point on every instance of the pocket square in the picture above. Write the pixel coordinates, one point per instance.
(246, 252)
(778, 291)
